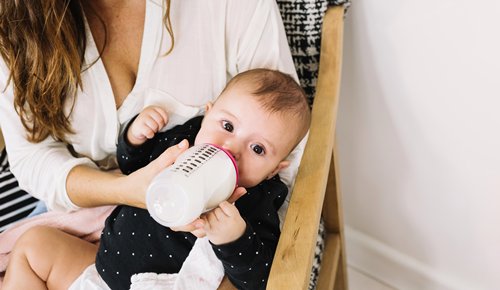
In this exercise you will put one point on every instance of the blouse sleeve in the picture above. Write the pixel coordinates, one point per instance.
(256, 38)
(40, 168)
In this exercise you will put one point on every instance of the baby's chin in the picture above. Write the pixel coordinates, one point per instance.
(247, 183)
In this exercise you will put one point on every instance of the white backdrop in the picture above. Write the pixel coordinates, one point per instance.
(419, 141)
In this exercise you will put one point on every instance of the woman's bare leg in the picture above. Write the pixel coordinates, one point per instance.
(47, 258)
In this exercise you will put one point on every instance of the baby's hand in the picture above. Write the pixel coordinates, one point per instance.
(195, 228)
(144, 127)
(223, 224)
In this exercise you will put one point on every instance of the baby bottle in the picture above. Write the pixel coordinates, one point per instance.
(201, 178)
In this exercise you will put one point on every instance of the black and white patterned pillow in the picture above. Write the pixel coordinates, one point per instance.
(15, 203)
(303, 20)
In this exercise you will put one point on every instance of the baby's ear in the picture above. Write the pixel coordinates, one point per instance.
(282, 165)
(208, 106)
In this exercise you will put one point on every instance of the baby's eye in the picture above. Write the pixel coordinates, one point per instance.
(258, 149)
(227, 126)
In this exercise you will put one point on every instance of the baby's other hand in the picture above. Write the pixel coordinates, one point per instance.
(146, 125)
(224, 224)
(195, 228)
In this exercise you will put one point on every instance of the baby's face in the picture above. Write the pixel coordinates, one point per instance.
(258, 140)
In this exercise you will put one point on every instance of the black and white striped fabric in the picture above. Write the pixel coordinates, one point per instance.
(15, 203)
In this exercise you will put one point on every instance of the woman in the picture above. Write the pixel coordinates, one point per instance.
(73, 73)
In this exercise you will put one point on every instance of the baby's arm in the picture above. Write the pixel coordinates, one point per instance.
(136, 144)
(224, 224)
(247, 260)
(146, 125)
(47, 258)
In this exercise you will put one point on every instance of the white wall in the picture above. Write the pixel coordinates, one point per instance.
(419, 141)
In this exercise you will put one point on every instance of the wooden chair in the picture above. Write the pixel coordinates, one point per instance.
(316, 191)
(2, 144)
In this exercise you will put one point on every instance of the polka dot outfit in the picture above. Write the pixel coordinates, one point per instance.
(132, 242)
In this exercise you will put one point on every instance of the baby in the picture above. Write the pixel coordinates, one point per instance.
(259, 118)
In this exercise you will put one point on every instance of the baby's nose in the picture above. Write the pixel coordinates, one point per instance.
(232, 150)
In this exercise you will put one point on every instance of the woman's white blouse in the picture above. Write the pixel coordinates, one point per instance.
(214, 40)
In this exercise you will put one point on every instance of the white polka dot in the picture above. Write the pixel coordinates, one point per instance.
(239, 253)
(135, 214)
(118, 252)
(133, 233)
(149, 235)
(167, 236)
(122, 215)
(117, 273)
(250, 269)
(256, 253)
(105, 251)
(151, 255)
(119, 233)
(109, 233)
(267, 264)
(170, 256)
(133, 254)
(103, 270)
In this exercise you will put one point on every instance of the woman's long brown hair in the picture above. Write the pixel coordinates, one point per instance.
(43, 43)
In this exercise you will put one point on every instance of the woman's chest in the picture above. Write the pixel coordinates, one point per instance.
(118, 37)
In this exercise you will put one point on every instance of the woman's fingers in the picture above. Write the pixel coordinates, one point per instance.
(139, 180)
(237, 193)
(168, 157)
(228, 208)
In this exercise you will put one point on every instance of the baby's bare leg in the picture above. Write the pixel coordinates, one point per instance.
(45, 257)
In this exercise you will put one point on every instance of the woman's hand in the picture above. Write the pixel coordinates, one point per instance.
(136, 184)
(197, 227)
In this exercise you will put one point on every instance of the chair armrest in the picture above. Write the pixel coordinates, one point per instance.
(2, 143)
(292, 263)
